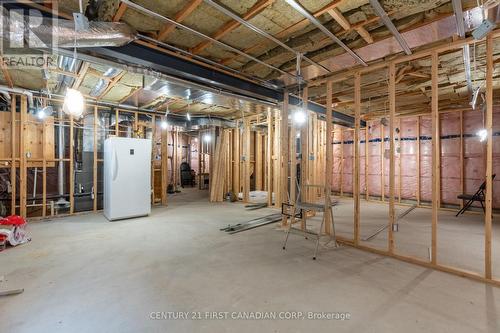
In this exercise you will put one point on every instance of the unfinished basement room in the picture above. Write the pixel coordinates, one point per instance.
(250, 166)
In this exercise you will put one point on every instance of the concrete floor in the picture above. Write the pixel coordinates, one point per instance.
(84, 274)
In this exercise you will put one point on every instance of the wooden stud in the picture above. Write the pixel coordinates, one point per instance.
(258, 161)
(246, 160)
(462, 169)
(418, 161)
(436, 165)
(71, 165)
(23, 172)
(284, 154)
(164, 166)
(356, 183)
(44, 169)
(276, 160)
(329, 155)
(488, 200)
(392, 115)
(341, 162)
(382, 166)
(237, 160)
(13, 176)
(117, 121)
(94, 178)
(269, 158)
(293, 163)
(367, 142)
(400, 177)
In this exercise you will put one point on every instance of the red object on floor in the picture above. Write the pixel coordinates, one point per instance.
(13, 220)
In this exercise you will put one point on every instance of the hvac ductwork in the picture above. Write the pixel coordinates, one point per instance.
(48, 33)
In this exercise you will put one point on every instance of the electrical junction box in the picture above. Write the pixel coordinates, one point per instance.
(483, 29)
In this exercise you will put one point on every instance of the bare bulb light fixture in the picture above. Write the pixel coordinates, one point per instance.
(299, 117)
(73, 103)
(482, 134)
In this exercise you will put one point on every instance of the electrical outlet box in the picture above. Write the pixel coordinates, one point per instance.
(483, 29)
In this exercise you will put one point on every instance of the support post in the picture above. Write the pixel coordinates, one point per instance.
(23, 171)
(237, 159)
(356, 183)
(284, 154)
(489, 157)
(436, 165)
(392, 166)
(13, 176)
(269, 158)
(246, 161)
(94, 174)
(164, 166)
(329, 155)
(71, 165)
(418, 161)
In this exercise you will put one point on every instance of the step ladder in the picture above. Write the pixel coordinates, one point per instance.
(325, 208)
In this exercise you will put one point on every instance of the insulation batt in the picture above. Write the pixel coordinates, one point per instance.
(474, 157)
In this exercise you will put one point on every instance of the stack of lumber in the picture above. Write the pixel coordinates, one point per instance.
(219, 178)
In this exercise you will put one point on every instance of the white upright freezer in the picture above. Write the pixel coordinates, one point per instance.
(127, 178)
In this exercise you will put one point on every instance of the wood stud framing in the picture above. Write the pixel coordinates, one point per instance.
(489, 158)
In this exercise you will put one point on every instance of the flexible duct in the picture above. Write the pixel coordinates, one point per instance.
(47, 33)
(20, 91)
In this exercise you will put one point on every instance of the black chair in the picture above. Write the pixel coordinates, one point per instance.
(187, 178)
(478, 196)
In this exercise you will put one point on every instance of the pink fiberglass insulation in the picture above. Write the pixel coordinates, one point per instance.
(450, 158)
(425, 159)
(348, 162)
(406, 149)
(408, 154)
(374, 160)
(336, 159)
(362, 178)
(474, 157)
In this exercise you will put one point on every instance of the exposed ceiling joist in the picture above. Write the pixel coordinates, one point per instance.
(193, 31)
(388, 23)
(119, 12)
(263, 33)
(233, 24)
(298, 7)
(111, 84)
(287, 31)
(81, 75)
(179, 17)
(346, 25)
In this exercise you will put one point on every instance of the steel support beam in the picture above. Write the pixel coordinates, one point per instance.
(298, 7)
(388, 23)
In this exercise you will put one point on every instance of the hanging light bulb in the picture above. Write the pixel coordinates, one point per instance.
(164, 124)
(40, 114)
(482, 134)
(73, 103)
(207, 138)
(299, 117)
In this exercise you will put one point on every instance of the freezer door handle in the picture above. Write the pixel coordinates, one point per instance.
(115, 165)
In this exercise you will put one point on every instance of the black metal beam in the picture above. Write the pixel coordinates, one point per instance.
(147, 57)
